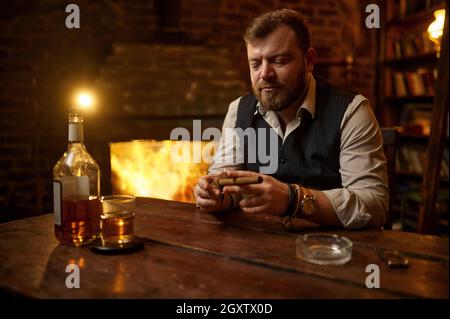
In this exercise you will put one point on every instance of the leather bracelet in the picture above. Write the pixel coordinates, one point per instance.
(297, 210)
(291, 201)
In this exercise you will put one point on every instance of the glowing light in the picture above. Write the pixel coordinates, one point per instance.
(436, 28)
(84, 100)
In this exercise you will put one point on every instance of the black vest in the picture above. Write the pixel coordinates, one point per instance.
(310, 154)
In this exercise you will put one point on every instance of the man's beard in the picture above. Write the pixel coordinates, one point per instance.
(280, 98)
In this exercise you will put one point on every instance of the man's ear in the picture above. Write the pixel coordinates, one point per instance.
(310, 59)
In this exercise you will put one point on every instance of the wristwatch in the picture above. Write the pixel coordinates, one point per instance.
(308, 202)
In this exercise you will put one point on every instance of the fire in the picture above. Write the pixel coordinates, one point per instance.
(145, 168)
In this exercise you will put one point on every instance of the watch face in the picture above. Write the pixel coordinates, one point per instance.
(308, 206)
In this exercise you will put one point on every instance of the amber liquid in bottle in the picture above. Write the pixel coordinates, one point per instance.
(79, 220)
(76, 191)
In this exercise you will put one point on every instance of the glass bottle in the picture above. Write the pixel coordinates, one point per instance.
(76, 190)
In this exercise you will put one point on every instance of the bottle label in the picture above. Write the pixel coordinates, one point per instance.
(76, 132)
(68, 186)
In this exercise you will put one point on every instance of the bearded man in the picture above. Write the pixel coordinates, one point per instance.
(331, 165)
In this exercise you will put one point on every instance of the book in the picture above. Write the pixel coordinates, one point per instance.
(415, 84)
(399, 84)
(415, 118)
(419, 82)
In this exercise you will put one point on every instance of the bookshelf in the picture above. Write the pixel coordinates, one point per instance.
(408, 70)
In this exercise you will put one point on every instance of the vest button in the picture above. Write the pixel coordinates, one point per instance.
(283, 161)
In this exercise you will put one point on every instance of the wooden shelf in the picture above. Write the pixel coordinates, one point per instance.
(409, 99)
(414, 137)
(417, 176)
(412, 61)
(415, 18)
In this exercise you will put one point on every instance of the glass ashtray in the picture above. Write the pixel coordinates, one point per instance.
(324, 249)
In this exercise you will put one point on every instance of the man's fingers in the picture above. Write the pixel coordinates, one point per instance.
(255, 210)
(204, 203)
(211, 193)
(205, 181)
(237, 173)
(244, 189)
(252, 201)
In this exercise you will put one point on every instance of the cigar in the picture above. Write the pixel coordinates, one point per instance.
(239, 181)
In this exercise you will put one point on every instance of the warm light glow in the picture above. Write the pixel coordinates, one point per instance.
(436, 28)
(144, 168)
(84, 100)
(79, 262)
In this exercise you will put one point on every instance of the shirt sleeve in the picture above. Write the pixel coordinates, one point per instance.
(226, 156)
(364, 195)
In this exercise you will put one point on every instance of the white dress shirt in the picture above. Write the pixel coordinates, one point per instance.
(364, 194)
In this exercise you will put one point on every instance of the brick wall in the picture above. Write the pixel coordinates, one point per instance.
(124, 54)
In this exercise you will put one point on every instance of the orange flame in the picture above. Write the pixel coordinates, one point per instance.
(145, 168)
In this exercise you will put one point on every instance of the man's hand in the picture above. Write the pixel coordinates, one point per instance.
(269, 197)
(207, 197)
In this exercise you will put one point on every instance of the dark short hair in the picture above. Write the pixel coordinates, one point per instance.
(266, 23)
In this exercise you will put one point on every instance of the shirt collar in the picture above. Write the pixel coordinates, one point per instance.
(309, 103)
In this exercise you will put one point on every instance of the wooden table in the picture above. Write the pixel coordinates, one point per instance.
(189, 254)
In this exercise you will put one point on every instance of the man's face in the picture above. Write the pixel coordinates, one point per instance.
(277, 69)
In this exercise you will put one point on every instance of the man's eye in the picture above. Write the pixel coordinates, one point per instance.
(254, 65)
(280, 61)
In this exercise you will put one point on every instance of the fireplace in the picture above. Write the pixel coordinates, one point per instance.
(148, 90)
(158, 169)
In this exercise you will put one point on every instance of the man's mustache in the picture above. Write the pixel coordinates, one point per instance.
(263, 85)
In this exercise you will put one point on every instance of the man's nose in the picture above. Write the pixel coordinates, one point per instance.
(267, 72)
